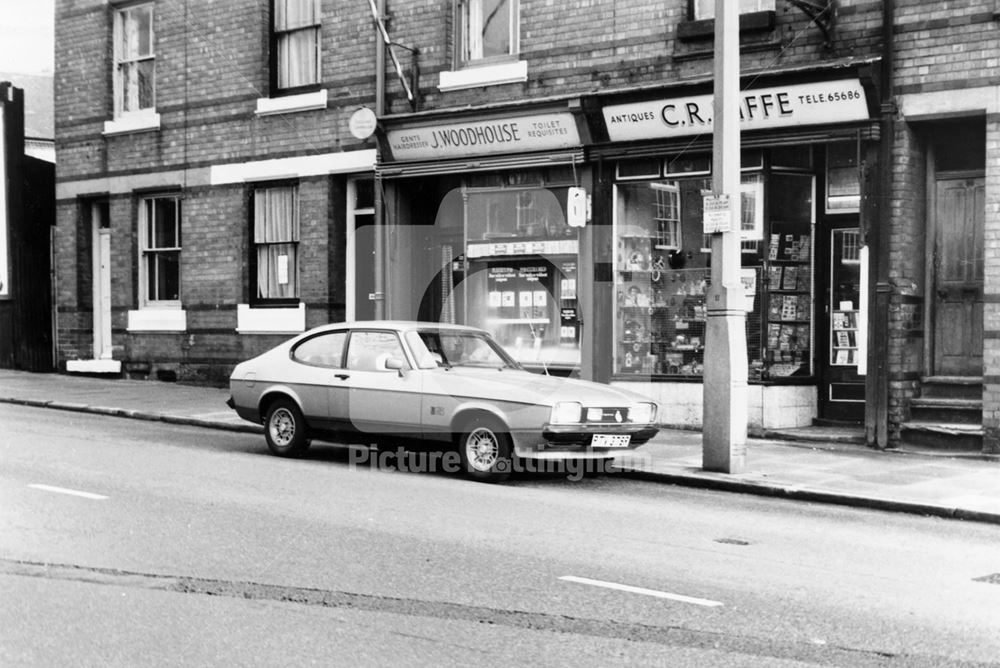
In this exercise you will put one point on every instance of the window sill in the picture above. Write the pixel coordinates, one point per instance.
(135, 122)
(486, 75)
(93, 366)
(705, 28)
(281, 320)
(154, 319)
(289, 104)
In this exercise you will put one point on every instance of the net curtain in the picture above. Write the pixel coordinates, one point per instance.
(276, 234)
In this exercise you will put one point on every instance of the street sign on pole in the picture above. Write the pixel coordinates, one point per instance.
(717, 214)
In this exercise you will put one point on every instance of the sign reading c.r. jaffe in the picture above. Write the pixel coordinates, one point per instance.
(540, 132)
(760, 108)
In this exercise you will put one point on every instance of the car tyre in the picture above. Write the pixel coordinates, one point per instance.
(285, 429)
(486, 450)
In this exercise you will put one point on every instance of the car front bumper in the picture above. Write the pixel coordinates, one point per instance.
(574, 441)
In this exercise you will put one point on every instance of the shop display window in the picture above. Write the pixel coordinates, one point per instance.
(662, 274)
(521, 282)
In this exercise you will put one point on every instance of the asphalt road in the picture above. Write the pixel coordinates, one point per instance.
(127, 543)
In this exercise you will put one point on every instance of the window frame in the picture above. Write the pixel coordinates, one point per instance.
(147, 251)
(120, 59)
(696, 15)
(254, 299)
(461, 46)
(274, 61)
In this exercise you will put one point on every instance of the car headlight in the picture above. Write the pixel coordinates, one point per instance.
(642, 413)
(566, 412)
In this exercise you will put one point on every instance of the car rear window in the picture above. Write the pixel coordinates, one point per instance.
(322, 350)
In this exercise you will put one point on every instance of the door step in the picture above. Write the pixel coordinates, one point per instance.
(957, 436)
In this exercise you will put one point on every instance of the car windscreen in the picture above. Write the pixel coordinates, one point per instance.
(456, 348)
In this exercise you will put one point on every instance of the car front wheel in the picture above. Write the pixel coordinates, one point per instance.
(486, 450)
(285, 429)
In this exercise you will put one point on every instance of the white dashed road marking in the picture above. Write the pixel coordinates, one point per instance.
(71, 492)
(641, 590)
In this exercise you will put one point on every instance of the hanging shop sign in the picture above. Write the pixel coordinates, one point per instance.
(539, 132)
(760, 108)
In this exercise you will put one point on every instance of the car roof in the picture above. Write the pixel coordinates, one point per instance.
(397, 325)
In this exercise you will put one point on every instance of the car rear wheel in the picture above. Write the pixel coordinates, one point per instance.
(285, 429)
(486, 450)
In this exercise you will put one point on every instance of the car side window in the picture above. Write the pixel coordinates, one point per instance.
(323, 350)
(368, 350)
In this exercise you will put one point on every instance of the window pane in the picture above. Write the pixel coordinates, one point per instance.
(163, 276)
(136, 33)
(292, 14)
(277, 271)
(165, 216)
(488, 28)
(276, 216)
(367, 351)
(324, 350)
(298, 60)
(705, 9)
(137, 85)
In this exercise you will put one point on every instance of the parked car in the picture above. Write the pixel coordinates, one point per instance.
(437, 383)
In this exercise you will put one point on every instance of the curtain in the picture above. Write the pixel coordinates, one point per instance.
(298, 61)
(276, 235)
(297, 25)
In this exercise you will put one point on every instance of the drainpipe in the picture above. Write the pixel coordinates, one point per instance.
(379, 210)
(880, 292)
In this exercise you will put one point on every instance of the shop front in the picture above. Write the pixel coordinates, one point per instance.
(577, 239)
(486, 226)
(803, 255)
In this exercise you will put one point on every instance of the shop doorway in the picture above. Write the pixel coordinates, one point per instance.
(957, 260)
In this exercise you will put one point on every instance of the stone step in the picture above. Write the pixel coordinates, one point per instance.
(955, 436)
(946, 410)
(966, 387)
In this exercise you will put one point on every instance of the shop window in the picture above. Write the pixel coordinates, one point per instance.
(638, 169)
(295, 45)
(160, 250)
(135, 63)
(515, 275)
(660, 288)
(686, 164)
(488, 29)
(275, 244)
(843, 183)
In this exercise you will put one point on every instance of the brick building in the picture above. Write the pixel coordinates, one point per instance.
(206, 177)
(544, 180)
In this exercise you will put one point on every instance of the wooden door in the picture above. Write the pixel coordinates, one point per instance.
(958, 280)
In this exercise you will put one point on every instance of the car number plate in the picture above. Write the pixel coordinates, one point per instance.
(610, 441)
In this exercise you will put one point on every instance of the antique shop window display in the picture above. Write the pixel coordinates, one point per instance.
(662, 273)
(522, 276)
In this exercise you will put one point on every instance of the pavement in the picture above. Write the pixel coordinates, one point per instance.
(820, 465)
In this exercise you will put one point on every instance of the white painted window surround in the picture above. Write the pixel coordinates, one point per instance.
(157, 320)
(139, 121)
(287, 104)
(484, 75)
(290, 320)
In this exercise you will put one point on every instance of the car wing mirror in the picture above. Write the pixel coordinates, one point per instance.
(395, 364)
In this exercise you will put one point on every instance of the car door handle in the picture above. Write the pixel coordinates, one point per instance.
(342, 376)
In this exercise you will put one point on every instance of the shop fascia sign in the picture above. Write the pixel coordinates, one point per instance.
(760, 108)
(538, 132)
